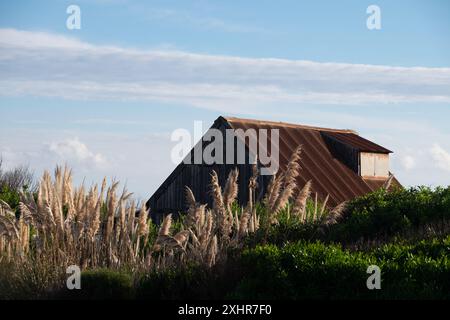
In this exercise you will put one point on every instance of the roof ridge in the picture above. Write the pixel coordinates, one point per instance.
(286, 124)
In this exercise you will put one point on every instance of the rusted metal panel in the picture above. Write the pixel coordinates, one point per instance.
(329, 175)
(356, 141)
(376, 183)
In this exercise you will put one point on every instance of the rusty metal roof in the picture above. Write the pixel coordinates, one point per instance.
(357, 142)
(328, 174)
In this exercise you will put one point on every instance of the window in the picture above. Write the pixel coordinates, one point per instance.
(374, 164)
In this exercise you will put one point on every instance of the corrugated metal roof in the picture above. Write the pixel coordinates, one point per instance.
(328, 174)
(376, 183)
(283, 124)
(357, 142)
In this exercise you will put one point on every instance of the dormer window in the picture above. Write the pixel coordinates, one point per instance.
(373, 165)
(364, 157)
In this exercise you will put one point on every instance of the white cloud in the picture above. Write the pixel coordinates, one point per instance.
(74, 150)
(408, 162)
(43, 64)
(139, 161)
(441, 157)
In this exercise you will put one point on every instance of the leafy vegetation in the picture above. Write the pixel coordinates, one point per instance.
(383, 213)
(13, 182)
(305, 270)
(379, 217)
(102, 284)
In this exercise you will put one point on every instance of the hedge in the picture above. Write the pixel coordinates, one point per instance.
(326, 271)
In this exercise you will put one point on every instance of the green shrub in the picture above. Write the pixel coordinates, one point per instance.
(172, 285)
(325, 271)
(264, 276)
(11, 197)
(102, 284)
(192, 282)
(379, 215)
(300, 271)
(383, 213)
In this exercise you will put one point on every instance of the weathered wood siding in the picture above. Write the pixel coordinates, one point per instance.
(170, 197)
(343, 152)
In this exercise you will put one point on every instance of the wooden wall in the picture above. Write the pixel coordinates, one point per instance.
(170, 197)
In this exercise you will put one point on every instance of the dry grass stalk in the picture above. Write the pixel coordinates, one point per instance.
(333, 216)
(299, 208)
(230, 191)
(223, 218)
(252, 186)
(324, 206)
(283, 187)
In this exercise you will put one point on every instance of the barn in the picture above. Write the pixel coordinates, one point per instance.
(340, 163)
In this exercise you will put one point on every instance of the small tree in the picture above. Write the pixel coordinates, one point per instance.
(17, 179)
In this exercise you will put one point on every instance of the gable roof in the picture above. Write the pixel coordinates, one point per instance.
(346, 136)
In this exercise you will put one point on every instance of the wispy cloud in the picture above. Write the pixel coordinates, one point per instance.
(104, 121)
(441, 157)
(73, 150)
(408, 162)
(92, 156)
(42, 64)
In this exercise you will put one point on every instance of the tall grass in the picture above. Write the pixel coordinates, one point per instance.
(100, 227)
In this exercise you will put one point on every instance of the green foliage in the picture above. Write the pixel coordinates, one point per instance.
(383, 213)
(11, 197)
(416, 271)
(191, 282)
(102, 284)
(305, 270)
(289, 227)
(301, 271)
(184, 283)
(13, 181)
(379, 215)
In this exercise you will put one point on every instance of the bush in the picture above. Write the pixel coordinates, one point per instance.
(383, 213)
(380, 215)
(102, 284)
(192, 282)
(11, 197)
(317, 271)
(300, 271)
(17, 178)
(171, 285)
(13, 181)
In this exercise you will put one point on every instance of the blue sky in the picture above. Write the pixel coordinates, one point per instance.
(105, 98)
